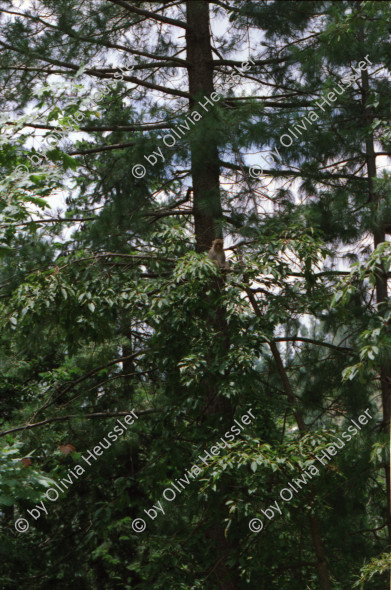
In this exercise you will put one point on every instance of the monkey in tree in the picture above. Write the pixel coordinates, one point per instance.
(216, 253)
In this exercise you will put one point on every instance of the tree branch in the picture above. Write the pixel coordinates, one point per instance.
(70, 416)
(148, 14)
(96, 73)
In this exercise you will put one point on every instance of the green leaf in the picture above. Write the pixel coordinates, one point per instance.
(6, 500)
(68, 162)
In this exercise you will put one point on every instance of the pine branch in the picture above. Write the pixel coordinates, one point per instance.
(109, 45)
(96, 73)
(114, 127)
(152, 15)
(104, 148)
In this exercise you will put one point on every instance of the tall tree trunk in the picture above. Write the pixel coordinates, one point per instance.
(381, 285)
(204, 155)
(207, 220)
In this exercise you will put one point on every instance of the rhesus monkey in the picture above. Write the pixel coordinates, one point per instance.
(216, 253)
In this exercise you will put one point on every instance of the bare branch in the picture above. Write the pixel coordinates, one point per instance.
(71, 416)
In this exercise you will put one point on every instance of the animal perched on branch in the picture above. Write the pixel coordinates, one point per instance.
(216, 253)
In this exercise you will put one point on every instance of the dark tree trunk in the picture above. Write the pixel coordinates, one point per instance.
(381, 287)
(207, 220)
(204, 155)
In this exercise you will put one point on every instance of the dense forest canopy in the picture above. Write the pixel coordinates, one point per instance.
(179, 412)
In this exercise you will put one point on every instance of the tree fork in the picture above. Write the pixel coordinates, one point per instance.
(323, 570)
